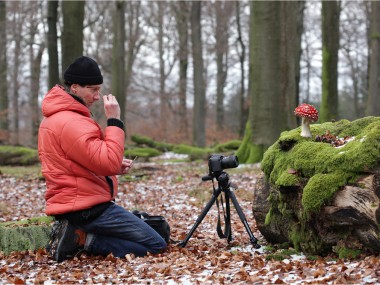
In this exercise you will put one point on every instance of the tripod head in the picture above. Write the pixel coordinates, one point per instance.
(222, 178)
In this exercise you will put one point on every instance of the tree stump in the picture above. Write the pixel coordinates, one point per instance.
(323, 195)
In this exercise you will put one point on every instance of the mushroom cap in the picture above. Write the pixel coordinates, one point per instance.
(306, 111)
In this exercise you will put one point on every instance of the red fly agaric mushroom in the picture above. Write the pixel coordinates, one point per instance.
(308, 114)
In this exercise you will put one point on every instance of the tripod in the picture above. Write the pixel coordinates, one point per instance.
(223, 186)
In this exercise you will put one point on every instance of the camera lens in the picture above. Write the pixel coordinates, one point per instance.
(230, 162)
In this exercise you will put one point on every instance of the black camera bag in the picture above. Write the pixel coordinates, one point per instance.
(158, 223)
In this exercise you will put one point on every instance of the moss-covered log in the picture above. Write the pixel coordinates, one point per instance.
(22, 235)
(146, 141)
(322, 193)
(12, 155)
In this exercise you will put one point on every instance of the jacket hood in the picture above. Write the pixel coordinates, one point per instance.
(57, 100)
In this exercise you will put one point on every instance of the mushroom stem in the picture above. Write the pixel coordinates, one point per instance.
(305, 131)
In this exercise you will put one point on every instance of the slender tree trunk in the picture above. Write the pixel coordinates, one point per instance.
(373, 103)
(4, 127)
(72, 34)
(52, 43)
(330, 48)
(18, 23)
(134, 39)
(199, 113)
(181, 12)
(35, 89)
(222, 14)
(291, 32)
(243, 107)
(163, 95)
(118, 57)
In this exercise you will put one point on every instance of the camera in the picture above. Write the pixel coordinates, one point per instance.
(217, 162)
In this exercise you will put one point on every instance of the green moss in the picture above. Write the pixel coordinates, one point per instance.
(29, 234)
(227, 146)
(316, 170)
(310, 158)
(12, 155)
(141, 152)
(348, 253)
(321, 188)
(287, 179)
(249, 152)
(194, 152)
(143, 140)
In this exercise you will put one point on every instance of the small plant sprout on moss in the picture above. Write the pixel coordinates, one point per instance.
(309, 115)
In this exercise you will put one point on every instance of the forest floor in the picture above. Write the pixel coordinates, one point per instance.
(176, 191)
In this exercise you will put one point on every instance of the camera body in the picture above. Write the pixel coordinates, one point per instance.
(218, 162)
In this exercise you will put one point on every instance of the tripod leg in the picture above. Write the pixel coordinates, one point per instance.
(228, 217)
(200, 217)
(252, 238)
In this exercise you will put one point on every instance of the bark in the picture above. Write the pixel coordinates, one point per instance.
(52, 43)
(264, 122)
(322, 196)
(181, 12)
(134, 39)
(118, 57)
(243, 109)
(72, 34)
(164, 100)
(330, 48)
(222, 15)
(4, 128)
(18, 23)
(351, 218)
(199, 113)
(291, 31)
(373, 103)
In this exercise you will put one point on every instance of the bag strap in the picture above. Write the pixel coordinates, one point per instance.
(227, 220)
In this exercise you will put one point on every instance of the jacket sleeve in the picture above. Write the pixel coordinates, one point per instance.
(83, 142)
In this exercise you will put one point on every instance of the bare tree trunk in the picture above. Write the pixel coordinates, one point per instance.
(373, 103)
(134, 39)
(35, 88)
(17, 23)
(243, 107)
(4, 127)
(118, 57)
(181, 12)
(265, 72)
(199, 114)
(163, 95)
(222, 14)
(291, 31)
(72, 34)
(330, 48)
(52, 43)
(35, 67)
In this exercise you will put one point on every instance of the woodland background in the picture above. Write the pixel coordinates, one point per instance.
(196, 72)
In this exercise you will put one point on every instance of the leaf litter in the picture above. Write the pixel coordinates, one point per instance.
(163, 189)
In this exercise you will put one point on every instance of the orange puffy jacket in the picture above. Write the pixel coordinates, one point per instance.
(75, 155)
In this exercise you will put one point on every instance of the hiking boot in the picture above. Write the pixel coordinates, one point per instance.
(65, 240)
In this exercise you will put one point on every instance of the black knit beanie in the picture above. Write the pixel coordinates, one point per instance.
(83, 71)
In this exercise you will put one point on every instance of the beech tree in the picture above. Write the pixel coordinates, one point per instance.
(52, 43)
(373, 103)
(274, 61)
(330, 48)
(118, 57)
(181, 14)
(72, 33)
(3, 73)
(199, 111)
